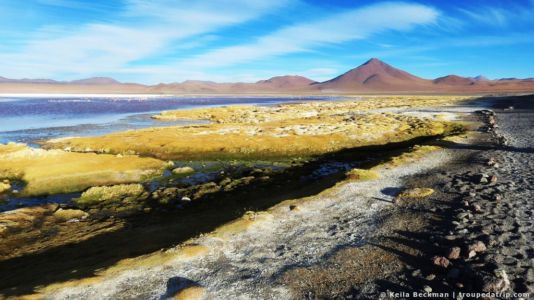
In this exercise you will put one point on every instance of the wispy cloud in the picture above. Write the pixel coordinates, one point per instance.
(501, 16)
(144, 29)
(334, 29)
(478, 41)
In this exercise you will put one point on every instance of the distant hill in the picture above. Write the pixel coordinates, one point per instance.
(7, 80)
(454, 80)
(288, 81)
(373, 76)
(96, 81)
(480, 78)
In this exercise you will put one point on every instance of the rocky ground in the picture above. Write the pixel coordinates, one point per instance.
(479, 232)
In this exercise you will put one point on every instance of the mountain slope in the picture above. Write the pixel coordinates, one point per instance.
(374, 74)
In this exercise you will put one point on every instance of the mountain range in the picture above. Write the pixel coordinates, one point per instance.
(374, 76)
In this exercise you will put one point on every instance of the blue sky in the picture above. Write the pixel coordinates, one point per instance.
(248, 40)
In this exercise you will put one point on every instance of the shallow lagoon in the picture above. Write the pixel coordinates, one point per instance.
(31, 119)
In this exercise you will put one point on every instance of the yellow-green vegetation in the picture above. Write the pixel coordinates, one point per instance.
(416, 193)
(362, 175)
(289, 130)
(5, 186)
(22, 218)
(57, 171)
(413, 194)
(122, 194)
(190, 293)
(261, 114)
(68, 214)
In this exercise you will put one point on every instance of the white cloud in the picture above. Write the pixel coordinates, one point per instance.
(337, 28)
(144, 29)
(302, 37)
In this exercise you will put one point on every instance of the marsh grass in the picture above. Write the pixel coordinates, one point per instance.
(362, 175)
(124, 194)
(48, 172)
(280, 139)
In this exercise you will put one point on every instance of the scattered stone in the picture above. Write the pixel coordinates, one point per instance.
(450, 237)
(476, 208)
(440, 261)
(497, 285)
(293, 207)
(427, 289)
(497, 197)
(530, 275)
(493, 179)
(491, 161)
(463, 231)
(186, 199)
(416, 273)
(430, 277)
(454, 253)
(478, 247)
